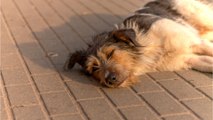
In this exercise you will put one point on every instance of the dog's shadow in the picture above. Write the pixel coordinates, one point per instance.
(54, 43)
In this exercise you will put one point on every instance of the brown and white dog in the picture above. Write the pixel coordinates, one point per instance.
(165, 35)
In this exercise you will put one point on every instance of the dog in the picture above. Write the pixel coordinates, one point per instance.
(164, 35)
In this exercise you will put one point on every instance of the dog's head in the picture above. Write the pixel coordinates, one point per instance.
(110, 59)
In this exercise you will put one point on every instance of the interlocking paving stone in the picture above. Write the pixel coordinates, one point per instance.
(22, 34)
(163, 103)
(124, 5)
(3, 115)
(32, 51)
(72, 74)
(7, 45)
(15, 76)
(208, 91)
(16, 25)
(81, 86)
(66, 34)
(58, 57)
(2, 106)
(210, 75)
(87, 15)
(122, 13)
(202, 107)
(101, 12)
(83, 91)
(181, 89)
(7, 48)
(122, 97)
(73, 20)
(59, 103)
(146, 84)
(138, 113)
(99, 109)
(21, 95)
(196, 78)
(28, 113)
(47, 38)
(68, 117)
(40, 66)
(181, 117)
(48, 83)
(0, 89)
(138, 3)
(10, 60)
(166, 75)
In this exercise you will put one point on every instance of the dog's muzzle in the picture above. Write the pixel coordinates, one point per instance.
(112, 80)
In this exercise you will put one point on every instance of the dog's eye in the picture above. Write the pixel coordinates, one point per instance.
(95, 68)
(110, 54)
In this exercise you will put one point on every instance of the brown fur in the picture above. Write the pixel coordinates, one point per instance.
(154, 39)
(113, 60)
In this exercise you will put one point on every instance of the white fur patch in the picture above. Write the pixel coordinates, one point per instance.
(167, 43)
(195, 12)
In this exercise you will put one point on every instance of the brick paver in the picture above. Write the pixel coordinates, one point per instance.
(28, 113)
(99, 109)
(196, 79)
(82, 87)
(68, 117)
(10, 60)
(21, 95)
(179, 87)
(123, 97)
(59, 103)
(163, 103)
(207, 91)
(3, 114)
(36, 37)
(146, 84)
(15, 76)
(138, 113)
(48, 83)
(167, 75)
(202, 107)
(181, 117)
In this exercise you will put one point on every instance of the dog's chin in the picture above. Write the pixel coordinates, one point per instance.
(115, 85)
(128, 81)
(124, 84)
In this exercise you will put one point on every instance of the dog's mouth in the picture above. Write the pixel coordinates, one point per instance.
(113, 85)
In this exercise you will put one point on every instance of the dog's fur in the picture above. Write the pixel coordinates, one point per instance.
(165, 35)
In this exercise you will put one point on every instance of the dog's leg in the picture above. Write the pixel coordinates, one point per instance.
(207, 36)
(201, 63)
(183, 41)
(205, 48)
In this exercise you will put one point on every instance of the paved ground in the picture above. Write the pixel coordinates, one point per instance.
(37, 35)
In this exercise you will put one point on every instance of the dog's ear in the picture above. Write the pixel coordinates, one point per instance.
(76, 57)
(126, 35)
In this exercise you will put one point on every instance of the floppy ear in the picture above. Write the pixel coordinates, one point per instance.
(76, 57)
(126, 35)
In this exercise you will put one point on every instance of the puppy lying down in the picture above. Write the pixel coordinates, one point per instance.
(164, 35)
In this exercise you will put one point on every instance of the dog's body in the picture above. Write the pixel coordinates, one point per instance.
(165, 35)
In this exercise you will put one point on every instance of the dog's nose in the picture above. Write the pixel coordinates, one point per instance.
(110, 77)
